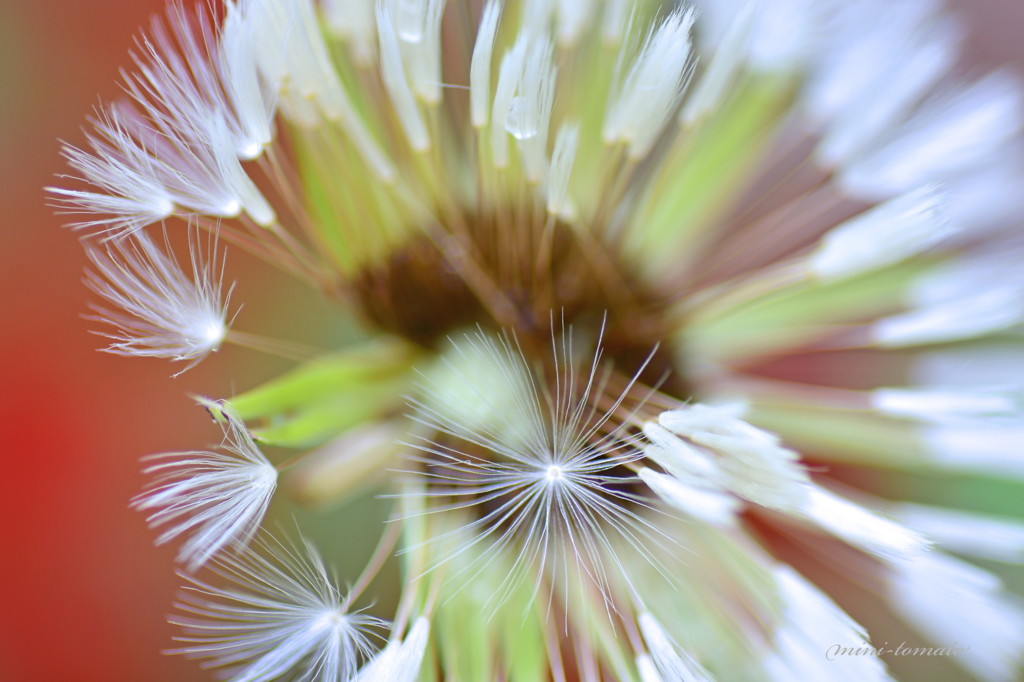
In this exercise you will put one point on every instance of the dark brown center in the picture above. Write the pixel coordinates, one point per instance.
(513, 272)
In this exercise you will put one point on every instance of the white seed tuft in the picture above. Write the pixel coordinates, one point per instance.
(529, 110)
(559, 202)
(946, 406)
(191, 80)
(994, 307)
(992, 449)
(947, 136)
(725, 64)
(536, 16)
(132, 195)
(648, 95)
(218, 499)
(509, 75)
(886, 234)
(353, 21)
(399, 661)
(861, 528)
(480, 67)
(751, 462)
(397, 81)
(199, 107)
(252, 98)
(811, 625)
(523, 101)
(880, 61)
(295, 59)
(697, 501)
(678, 457)
(147, 164)
(971, 533)
(281, 614)
(573, 17)
(419, 30)
(669, 660)
(646, 669)
(293, 55)
(157, 310)
(615, 20)
(956, 604)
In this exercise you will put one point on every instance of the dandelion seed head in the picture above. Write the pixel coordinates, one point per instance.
(642, 286)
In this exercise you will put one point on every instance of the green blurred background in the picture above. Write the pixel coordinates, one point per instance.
(82, 591)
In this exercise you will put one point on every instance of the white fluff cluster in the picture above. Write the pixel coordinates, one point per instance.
(156, 309)
(538, 464)
(709, 456)
(280, 614)
(217, 499)
(198, 108)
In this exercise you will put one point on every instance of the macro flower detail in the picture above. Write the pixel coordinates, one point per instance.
(645, 314)
(753, 466)
(812, 624)
(401, 660)
(664, 662)
(539, 464)
(282, 615)
(217, 499)
(930, 591)
(156, 309)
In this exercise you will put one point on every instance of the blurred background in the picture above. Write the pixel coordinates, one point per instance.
(82, 590)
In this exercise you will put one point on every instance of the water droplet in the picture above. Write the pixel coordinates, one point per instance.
(411, 21)
(521, 123)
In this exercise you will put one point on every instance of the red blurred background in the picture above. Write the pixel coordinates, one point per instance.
(82, 590)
